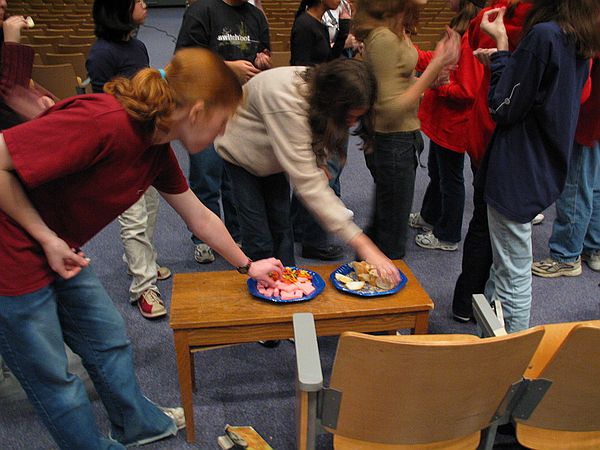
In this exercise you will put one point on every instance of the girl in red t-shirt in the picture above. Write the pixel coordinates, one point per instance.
(63, 177)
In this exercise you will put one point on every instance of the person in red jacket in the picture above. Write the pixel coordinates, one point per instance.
(477, 250)
(444, 114)
(576, 230)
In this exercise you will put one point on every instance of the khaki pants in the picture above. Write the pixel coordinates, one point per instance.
(137, 228)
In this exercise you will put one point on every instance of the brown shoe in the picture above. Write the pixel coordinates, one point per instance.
(151, 305)
(162, 273)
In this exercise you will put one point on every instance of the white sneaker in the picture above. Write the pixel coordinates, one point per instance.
(151, 305)
(163, 273)
(416, 221)
(203, 254)
(176, 414)
(429, 241)
(592, 259)
(538, 219)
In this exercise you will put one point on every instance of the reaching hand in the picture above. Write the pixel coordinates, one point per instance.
(495, 28)
(260, 270)
(385, 267)
(243, 69)
(65, 261)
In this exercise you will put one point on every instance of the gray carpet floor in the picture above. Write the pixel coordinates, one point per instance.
(249, 384)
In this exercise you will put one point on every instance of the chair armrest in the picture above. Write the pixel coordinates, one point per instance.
(486, 317)
(309, 373)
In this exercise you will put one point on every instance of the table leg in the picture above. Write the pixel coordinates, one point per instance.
(421, 323)
(184, 368)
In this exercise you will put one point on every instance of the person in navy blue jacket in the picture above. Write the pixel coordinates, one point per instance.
(534, 98)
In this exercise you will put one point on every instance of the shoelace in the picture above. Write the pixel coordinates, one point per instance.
(152, 298)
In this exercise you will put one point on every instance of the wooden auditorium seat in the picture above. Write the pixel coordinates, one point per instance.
(418, 392)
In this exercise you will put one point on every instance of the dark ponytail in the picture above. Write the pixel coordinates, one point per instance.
(304, 5)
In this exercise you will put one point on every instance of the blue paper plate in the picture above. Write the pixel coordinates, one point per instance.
(317, 282)
(346, 269)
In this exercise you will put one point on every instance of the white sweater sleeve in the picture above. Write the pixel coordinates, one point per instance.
(290, 137)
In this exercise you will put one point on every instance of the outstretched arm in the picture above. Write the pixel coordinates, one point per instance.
(367, 250)
(15, 203)
(208, 227)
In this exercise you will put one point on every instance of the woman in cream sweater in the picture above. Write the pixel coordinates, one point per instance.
(293, 120)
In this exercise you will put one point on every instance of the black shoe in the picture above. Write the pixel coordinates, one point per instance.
(269, 344)
(329, 253)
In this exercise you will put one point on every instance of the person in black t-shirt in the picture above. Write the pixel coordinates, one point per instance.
(309, 41)
(239, 33)
(235, 29)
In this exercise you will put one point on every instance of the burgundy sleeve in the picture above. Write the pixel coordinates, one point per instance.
(170, 179)
(17, 62)
(40, 151)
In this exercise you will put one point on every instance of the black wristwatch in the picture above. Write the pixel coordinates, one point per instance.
(244, 269)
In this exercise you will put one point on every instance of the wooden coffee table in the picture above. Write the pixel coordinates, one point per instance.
(211, 309)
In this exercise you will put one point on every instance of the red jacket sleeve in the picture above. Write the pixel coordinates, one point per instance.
(465, 81)
(425, 57)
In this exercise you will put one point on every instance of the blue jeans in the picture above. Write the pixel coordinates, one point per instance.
(210, 182)
(32, 329)
(307, 230)
(510, 274)
(393, 166)
(576, 228)
(264, 214)
(444, 200)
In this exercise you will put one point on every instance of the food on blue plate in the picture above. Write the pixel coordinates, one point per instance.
(343, 278)
(368, 273)
(293, 284)
(355, 285)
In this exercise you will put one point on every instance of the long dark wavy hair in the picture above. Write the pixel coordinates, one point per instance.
(334, 89)
(578, 19)
(113, 20)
